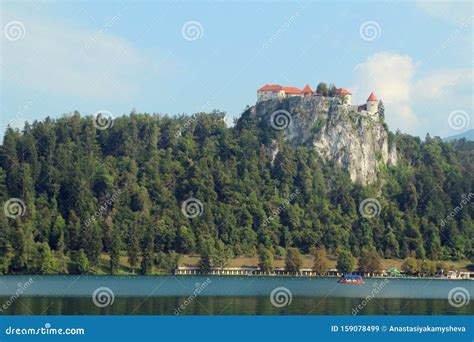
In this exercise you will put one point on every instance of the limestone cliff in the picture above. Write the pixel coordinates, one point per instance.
(353, 140)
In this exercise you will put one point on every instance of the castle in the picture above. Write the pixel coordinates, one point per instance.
(275, 91)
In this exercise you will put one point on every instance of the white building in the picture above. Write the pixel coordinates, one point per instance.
(372, 104)
(276, 91)
(345, 96)
(370, 108)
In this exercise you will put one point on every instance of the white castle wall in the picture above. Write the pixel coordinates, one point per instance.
(372, 107)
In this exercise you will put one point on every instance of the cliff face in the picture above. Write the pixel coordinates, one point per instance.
(356, 142)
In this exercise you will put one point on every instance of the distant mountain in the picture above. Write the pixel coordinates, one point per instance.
(469, 135)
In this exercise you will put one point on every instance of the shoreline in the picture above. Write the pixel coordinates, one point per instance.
(217, 286)
(270, 276)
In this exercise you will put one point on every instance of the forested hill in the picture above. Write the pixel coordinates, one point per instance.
(152, 183)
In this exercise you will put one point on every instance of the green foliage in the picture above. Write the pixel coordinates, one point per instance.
(280, 252)
(83, 186)
(369, 261)
(293, 261)
(168, 261)
(427, 267)
(222, 256)
(318, 125)
(410, 266)
(81, 262)
(115, 248)
(46, 263)
(205, 265)
(148, 258)
(265, 260)
(322, 89)
(345, 262)
(320, 263)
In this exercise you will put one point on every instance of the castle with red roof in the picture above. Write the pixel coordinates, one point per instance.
(276, 91)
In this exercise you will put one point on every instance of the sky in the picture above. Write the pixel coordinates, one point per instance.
(187, 57)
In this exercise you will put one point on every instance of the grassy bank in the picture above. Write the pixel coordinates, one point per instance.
(242, 261)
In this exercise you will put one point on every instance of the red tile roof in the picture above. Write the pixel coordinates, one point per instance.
(277, 87)
(307, 89)
(268, 87)
(343, 91)
(292, 90)
(372, 97)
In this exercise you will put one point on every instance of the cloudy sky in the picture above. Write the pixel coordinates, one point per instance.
(186, 57)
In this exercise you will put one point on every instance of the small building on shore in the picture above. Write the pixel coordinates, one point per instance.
(305, 272)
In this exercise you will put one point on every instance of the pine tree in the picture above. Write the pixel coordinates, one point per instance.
(114, 250)
(294, 260)
(81, 261)
(320, 261)
(345, 262)
(133, 248)
(47, 263)
(265, 260)
(148, 258)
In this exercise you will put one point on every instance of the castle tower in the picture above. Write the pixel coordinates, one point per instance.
(307, 91)
(372, 104)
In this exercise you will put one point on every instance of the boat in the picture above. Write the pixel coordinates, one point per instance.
(351, 279)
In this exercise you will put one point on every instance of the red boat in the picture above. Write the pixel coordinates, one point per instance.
(351, 279)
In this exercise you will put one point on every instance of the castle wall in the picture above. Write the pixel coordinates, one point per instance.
(372, 106)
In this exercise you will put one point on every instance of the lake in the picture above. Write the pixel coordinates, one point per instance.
(226, 295)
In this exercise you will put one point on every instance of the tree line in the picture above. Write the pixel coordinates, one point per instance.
(67, 173)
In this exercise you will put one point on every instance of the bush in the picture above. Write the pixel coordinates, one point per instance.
(410, 266)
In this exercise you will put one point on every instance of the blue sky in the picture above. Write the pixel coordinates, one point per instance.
(57, 57)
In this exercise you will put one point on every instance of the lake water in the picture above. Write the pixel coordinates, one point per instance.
(220, 295)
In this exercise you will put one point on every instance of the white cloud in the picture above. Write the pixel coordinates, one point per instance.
(453, 11)
(390, 76)
(413, 102)
(448, 83)
(57, 59)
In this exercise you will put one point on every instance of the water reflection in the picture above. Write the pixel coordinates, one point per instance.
(224, 305)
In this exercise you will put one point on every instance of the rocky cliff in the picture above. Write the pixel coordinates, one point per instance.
(353, 140)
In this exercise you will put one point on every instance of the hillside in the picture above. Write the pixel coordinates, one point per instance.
(152, 183)
(468, 135)
(356, 142)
